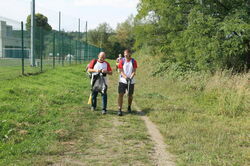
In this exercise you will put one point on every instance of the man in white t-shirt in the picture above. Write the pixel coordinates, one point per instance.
(100, 66)
(127, 67)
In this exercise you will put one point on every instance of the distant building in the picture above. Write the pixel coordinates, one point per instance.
(11, 42)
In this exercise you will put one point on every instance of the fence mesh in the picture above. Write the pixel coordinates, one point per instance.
(59, 45)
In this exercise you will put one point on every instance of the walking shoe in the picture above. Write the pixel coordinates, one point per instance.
(119, 113)
(104, 111)
(92, 108)
(129, 109)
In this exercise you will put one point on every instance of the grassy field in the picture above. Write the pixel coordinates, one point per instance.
(203, 117)
(45, 120)
(12, 68)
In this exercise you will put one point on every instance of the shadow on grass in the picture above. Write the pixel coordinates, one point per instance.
(147, 110)
(22, 75)
(33, 74)
(144, 112)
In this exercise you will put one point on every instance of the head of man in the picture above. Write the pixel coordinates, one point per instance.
(120, 55)
(127, 54)
(101, 56)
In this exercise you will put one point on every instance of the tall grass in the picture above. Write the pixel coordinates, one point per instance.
(203, 116)
(233, 93)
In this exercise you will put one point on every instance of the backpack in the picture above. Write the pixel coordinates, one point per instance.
(90, 73)
(123, 61)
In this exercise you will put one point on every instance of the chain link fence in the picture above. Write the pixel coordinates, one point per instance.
(52, 48)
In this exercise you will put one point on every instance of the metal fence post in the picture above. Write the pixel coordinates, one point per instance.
(79, 32)
(54, 49)
(80, 50)
(70, 51)
(76, 52)
(60, 52)
(62, 49)
(22, 49)
(41, 49)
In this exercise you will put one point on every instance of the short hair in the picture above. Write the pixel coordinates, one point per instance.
(127, 50)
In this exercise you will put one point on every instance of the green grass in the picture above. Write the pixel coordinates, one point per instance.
(12, 68)
(45, 120)
(203, 117)
(33, 109)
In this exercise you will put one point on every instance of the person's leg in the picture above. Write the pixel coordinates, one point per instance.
(94, 95)
(120, 100)
(121, 92)
(104, 101)
(130, 97)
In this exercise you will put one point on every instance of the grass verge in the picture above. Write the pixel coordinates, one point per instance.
(203, 117)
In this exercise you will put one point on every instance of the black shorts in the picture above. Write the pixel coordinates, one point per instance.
(123, 87)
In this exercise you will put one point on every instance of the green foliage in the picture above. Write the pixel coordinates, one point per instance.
(40, 21)
(206, 35)
(114, 42)
(100, 37)
(125, 33)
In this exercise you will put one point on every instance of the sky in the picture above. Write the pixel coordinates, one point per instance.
(94, 12)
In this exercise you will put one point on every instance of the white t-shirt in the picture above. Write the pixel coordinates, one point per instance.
(99, 66)
(127, 67)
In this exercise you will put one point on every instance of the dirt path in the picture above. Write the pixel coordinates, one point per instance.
(161, 156)
(121, 141)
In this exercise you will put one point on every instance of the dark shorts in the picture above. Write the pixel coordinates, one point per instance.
(123, 87)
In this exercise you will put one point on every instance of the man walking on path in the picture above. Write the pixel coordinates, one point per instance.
(99, 69)
(127, 67)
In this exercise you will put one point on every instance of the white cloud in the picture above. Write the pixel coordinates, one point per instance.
(108, 3)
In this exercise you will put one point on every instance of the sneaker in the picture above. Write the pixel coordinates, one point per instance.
(119, 113)
(129, 110)
(104, 111)
(92, 108)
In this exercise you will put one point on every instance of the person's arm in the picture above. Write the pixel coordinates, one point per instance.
(108, 71)
(133, 73)
(94, 70)
(120, 67)
(122, 73)
(134, 69)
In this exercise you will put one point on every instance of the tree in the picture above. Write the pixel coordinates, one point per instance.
(41, 22)
(125, 33)
(42, 29)
(204, 35)
(100, 38)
